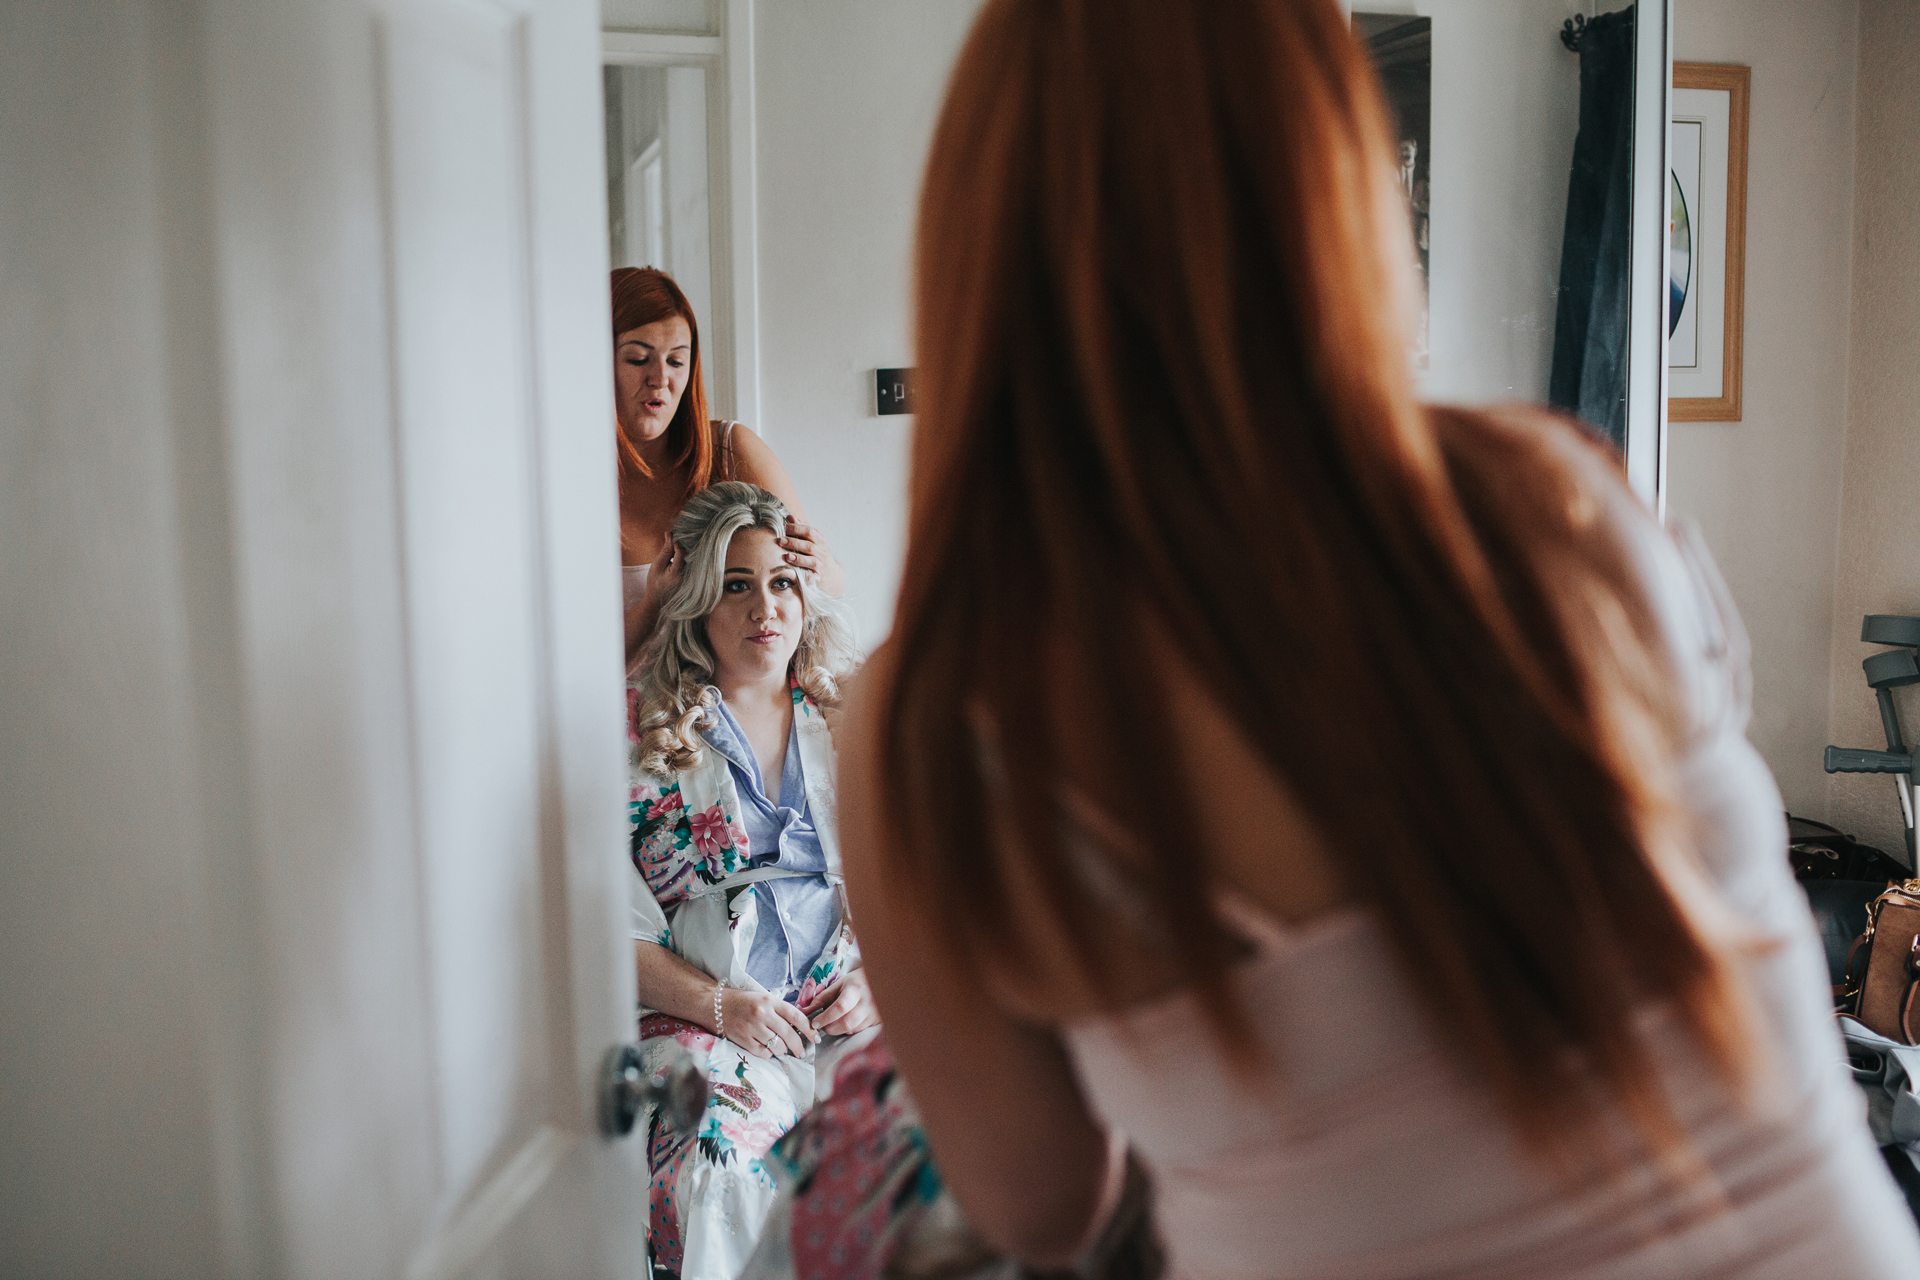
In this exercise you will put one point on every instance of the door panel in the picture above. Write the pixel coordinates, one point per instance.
(473, 439)
(462, 364)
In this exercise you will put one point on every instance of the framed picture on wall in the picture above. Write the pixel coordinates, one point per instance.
(1707, 241)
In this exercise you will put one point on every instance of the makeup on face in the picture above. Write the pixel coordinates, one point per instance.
(755, 627)
(651, 365)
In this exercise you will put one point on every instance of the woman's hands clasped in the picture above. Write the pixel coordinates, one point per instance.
(765, 1025)
(843, 1006)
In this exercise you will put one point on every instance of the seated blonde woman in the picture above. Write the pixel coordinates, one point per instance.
(741, 943)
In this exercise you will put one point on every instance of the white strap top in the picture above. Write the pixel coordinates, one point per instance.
(633, 583)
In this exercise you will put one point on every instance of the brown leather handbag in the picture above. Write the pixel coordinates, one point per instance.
(1883, 968)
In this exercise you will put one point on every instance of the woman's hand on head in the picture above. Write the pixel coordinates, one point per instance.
(843, 1006)
(765, 1025)
(805, 548)
(756, 464)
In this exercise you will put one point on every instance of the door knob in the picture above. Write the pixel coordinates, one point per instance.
(677, 1086)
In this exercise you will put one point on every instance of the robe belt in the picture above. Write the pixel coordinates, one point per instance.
(755, 874)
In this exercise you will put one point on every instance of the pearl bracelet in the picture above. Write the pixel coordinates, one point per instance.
(719, 1014)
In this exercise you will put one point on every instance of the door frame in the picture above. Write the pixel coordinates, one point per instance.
(1646, 442)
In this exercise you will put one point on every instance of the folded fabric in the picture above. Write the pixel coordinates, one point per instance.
(1886, 1072)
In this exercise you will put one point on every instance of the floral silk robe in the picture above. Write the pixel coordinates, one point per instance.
(692, 891)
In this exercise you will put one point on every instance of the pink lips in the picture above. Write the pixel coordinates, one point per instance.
(764, 637)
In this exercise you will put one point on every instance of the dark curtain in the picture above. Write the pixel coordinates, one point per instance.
(1590, 329)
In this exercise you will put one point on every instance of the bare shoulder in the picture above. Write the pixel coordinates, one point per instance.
(754, 459)
(755, 462)
(743, 440)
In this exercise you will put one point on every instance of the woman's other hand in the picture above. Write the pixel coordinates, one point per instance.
(842, 1007)
(662, 578)
(764, 1025)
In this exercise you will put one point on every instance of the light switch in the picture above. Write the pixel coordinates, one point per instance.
(892, 391)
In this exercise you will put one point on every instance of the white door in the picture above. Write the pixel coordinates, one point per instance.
(312, 942)
(503, 471)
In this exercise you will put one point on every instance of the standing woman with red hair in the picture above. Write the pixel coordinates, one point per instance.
(1342, 802)
(670, 449)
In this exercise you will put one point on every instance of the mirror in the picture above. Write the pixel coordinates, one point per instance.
(659, 213)
(1526, 131)
(1402, 50)
(817, 120)
(677, 75)
(1486, 89)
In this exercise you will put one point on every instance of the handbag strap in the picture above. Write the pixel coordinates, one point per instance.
(1854, 976)
(1913, 987)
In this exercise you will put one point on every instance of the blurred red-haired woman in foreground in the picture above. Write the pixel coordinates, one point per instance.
(670, 449)
(1344, 800)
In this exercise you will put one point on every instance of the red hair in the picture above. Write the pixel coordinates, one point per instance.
(642, 295)
(1163, 381)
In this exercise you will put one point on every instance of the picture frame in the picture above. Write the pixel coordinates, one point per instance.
(1707, 241)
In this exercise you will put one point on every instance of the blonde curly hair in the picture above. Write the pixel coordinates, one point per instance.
(674, 674)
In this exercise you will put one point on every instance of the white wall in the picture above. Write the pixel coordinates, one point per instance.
(846, 96)
(109, 1163)
(1879, 552)
(1766, 490)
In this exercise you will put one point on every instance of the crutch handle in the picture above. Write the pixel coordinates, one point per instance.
(1853, 760)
